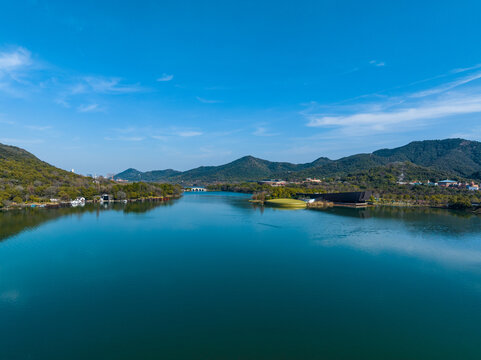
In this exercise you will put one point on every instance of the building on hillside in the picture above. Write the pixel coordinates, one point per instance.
(473, 187)
(273, 182)
(447, 183)
(313, 181)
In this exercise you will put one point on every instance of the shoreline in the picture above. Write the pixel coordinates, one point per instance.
(68, 204)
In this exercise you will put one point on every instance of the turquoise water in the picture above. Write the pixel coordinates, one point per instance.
(210, 276)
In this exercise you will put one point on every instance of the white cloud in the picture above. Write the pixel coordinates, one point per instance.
(89, 108)
(262, 131)
(459, 70)
(62, 101)
(14, 65)
(377, 63)
(395, 114)
(189, 133)
(448, 86)
(166, 77)
(159, 137)
(8, 122)
(381, 119)
(207, 101)
(106, 85)
(17, 141)
(37, 128)
(125, 138)
(14, 60)
(136, 133)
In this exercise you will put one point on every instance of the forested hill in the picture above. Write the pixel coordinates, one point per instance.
(460, 156)
(14, 153)
(20, 168)
(26, 179)
(454, 157)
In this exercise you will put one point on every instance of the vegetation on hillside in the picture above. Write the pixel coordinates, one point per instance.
(26, 179)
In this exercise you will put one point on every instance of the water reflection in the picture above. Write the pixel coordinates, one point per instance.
(418, 219)
(444, 236)
(447, 237)
(14, 222)
(465, 254)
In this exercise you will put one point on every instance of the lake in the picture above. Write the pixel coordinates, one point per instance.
(210, 276)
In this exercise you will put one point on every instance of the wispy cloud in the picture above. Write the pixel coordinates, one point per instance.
(8, 122)
(133, 132)
(89, 108)
(125, 138)
(107, 85)
(382, 120)
(62, 101)
(22, 75)
(160, 137)
(189, 133)
(37, 128)
(448, 86)
(15, 59)
(19, 141)
(401, 112)
(208, 101)
(165, 77)
(262, 131)
(455, 71)
(14, 64)
(377, 63)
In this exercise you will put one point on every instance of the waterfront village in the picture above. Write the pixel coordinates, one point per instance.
(443, 183)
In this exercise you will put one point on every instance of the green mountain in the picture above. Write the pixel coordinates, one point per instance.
(462, 157)
(20, 168)
(243, 169)
(26, 179)
(432, 159)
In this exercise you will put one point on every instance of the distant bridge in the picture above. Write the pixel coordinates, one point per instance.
(198, 189)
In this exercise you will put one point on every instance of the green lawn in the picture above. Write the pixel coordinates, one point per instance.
(287, 203)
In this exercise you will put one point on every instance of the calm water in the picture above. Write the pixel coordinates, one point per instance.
(211, 277)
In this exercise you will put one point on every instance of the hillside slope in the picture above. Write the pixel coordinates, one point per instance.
(459, 156)
(18, 167)
(26, 179)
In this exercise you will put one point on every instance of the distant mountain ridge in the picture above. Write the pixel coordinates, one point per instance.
(454, 157)
(155, 175)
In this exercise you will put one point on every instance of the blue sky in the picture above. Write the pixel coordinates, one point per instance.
(102, 86)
